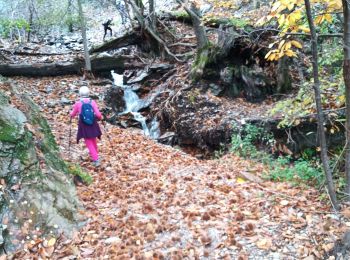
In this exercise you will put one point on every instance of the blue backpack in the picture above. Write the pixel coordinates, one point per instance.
(87, 115)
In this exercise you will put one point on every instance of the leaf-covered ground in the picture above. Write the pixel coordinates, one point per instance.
(150, 201)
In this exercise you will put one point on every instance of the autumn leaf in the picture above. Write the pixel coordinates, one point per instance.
(265, 243)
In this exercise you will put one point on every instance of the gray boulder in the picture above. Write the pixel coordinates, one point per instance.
(37, 197)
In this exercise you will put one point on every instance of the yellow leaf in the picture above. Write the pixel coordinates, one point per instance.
(275, 6)
(281, 44)
(281, 20)
(268, 54)
(240, 180)
(297, 44)
(272, 57)
(319, 19)
(328, 18)
(290, 53)
(304, 29)
(290, 6)
(51, 242)
(288, 45)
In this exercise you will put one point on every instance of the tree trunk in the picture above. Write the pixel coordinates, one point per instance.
(203, 51)
(31, 10)
(284, 81)
(346, 74)
(320, 114)
(152, 15)
(70, 16)
(83, 32)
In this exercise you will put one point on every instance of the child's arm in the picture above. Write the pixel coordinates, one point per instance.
(75, 110)
(96, 110)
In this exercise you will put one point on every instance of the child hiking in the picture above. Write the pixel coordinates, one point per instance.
(88, 127)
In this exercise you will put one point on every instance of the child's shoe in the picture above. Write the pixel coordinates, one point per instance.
(96, 163)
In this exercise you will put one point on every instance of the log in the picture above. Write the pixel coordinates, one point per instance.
(212, 22)
(99, 65)
(124, 41)
(26, 53)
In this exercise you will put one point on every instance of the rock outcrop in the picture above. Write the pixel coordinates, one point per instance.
(37, 198)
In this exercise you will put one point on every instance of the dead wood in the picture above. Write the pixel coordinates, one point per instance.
(123, 41)
(99, 64)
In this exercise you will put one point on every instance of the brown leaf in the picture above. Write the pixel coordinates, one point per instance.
(346, 212)
(86, 251)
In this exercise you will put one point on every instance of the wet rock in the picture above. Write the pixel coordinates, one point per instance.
(215, 89)
(140, 76)
(49, 89)
(128, 120)
(114, 99)
(52, 104)
(205, 8)
(168, 138)
(66, 101)
(196, 119)
(102, 82)
(226, 75)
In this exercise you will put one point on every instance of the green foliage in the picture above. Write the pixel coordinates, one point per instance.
(72, 20)
(181, 15)
(193, 96)
(6, 25)
(332, 87)
(238, 22)
(245, 138)
(284, 168)
(331, 58)
(291, 109)
(76, 170)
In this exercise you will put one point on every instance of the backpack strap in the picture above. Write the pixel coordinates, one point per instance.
(82, 101)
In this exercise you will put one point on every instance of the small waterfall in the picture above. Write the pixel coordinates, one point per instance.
(133, 105)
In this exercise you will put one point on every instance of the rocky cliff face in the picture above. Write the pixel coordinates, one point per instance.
(37, 199)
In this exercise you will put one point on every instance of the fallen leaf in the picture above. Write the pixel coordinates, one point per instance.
(264, 243)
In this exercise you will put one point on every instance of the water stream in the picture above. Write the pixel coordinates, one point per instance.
(134, 104)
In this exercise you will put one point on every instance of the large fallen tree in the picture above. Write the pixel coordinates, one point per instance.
(120, 42)
(99, 64)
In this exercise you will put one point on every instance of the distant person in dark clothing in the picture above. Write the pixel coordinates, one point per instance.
(106, 27)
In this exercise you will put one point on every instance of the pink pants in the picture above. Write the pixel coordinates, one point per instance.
(91, 144)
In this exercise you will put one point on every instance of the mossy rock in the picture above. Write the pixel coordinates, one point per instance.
(36, 179)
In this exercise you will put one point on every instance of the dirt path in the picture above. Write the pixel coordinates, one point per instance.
(152, 201)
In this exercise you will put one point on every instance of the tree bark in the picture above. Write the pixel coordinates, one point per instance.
(99, 65)
(152, 14)
(31, 10)
(203, 51)
(346, 75)
(320, 114)
(124, 41)
(83, 32)
(151, 33)
(70, 15)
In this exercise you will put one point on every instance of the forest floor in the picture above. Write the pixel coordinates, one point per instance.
(151, 201)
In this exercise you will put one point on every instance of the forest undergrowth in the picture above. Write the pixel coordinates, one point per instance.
(149, 200)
